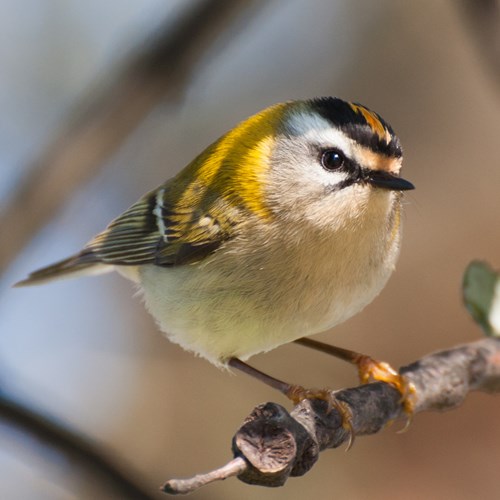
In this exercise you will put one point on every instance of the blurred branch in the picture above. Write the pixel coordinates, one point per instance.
(75, 447)
(273, 444)
(483, 17)
(158, 71)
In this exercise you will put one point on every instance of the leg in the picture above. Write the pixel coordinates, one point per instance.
(368, 368)
(281, 386)
(297, 393)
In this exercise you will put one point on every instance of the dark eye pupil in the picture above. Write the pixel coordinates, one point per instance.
(332, 159)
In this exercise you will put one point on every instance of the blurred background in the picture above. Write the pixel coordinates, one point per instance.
(102, 101)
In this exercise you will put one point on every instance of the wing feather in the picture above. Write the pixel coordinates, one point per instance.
(153, 231)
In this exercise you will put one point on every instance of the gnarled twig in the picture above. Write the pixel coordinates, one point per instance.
(273, 444)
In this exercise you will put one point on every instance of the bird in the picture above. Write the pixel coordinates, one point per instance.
(284, 227)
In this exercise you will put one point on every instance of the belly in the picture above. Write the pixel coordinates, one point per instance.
(237, 307)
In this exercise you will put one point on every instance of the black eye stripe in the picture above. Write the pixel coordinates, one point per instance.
(331, 162)
(334, 160)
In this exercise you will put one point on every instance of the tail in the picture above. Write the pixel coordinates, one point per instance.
(72, 267)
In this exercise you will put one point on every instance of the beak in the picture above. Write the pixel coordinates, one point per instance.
(384, 180)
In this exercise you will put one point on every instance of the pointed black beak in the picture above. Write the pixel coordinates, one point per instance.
(385, 180)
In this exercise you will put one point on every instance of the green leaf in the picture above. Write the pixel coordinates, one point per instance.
(481, 291)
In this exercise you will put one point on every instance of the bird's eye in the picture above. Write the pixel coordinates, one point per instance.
(332, 159)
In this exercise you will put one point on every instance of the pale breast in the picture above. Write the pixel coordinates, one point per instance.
(249, 298)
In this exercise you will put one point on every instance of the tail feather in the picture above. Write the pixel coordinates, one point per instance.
(72, 267)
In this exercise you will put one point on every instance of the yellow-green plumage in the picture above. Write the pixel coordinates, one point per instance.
(258, 241)
(212, 176)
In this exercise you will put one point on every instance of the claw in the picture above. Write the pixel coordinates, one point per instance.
(370, 369)
(297, 393)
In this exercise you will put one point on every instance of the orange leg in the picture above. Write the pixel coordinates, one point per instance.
(369, 369)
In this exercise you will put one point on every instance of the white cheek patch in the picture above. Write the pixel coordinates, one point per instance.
(325, 177)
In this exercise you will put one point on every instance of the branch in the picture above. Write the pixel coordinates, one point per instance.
(273, 444)
(159, 71)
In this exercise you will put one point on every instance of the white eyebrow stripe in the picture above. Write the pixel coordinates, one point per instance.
(315, 128)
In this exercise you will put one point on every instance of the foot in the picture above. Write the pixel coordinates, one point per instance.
(297, 393)
(371, 370)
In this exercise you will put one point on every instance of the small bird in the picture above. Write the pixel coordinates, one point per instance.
(284, 227)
